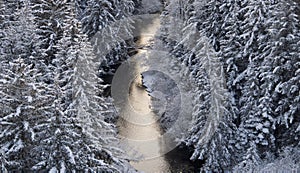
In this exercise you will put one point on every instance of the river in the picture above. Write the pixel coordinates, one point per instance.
(138, 126)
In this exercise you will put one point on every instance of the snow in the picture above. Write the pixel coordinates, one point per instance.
(261, 136)
(259, 126)
(63, 168)
(70, 154)
(18, 111)
(267, 124)
(3, 81)
(265, 115)
(17, 146)
(270, 68)
(166, 99)
(53, 170)
(148, 80)
(58, 131)
(29, 99)
(265, 130)
(287, 162)
(26, 125)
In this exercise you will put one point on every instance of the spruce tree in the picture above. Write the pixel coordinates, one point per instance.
(76, 136)
(22, 104)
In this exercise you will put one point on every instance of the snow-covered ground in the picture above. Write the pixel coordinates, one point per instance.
(287, 162)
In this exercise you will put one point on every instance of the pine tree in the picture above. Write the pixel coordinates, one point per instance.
(210, 142)
(22, 104)
(76, 136)
(49, 16)
(18, 37)
(24, 99)
(251, 160)
(257, 41)
(108, 25)
(100, 14)
(3, 162)
(212, 139)
(279, 71)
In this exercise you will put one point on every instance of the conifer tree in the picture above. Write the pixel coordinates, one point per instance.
(257, 42)
(22, 104)
(76, 136)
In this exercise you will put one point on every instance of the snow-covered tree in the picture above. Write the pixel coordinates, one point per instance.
(257, 43)
(76, 137)
(49, 16)
(108, 24)
(22, 104)
(99, 14)
(281, 78)
(212, 128)
(3, 163)
(20, 100)
(53, 117)
(17, 32)
(288, 160)
(210, 141)
(251, 160)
